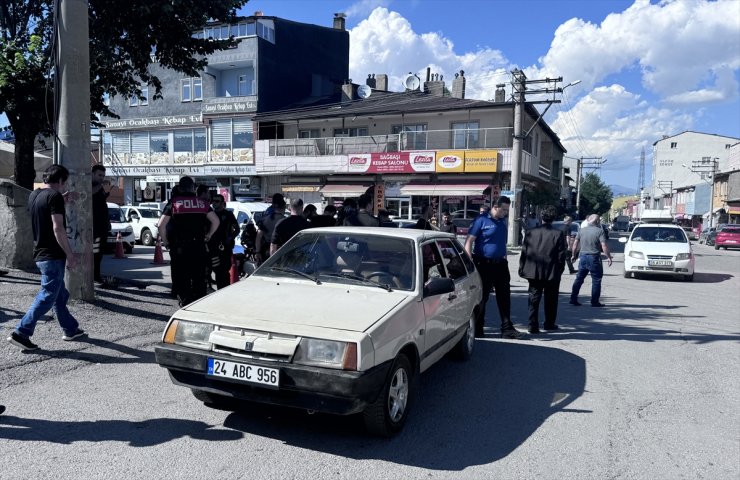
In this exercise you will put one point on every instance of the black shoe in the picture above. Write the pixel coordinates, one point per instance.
(534, 330)
(551, 327)
(597, 304)
(575, 303)
(78, 333)
(512, 334)
(572, 272)
(2, 409)
(23, 343)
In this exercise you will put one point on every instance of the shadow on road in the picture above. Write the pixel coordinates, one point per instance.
(466, 413)
(133, 355)
(137, 434)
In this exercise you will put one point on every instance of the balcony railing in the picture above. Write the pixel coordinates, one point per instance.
(482, 138)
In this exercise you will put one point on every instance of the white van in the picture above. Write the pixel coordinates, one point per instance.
(144, 220)
(119, 224)
(246, 212)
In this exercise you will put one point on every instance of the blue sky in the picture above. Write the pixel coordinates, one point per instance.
(647, 68)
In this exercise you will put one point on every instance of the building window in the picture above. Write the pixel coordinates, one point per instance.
(242, 86)
(133, 101)
(144, 100)
(465, 135)
(185, 90)
(674, 144)
(242, 136)
(310, 133)
(351, 132)
(706, 160)
(197, 89)
(414, 136)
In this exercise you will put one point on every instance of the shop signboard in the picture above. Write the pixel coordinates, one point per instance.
(450, 161)
(192, 170)
(154, 122)
(481, 161)
(396, 162)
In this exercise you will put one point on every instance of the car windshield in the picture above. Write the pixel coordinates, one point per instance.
(115, 215)
(659, 234)
(353, 259)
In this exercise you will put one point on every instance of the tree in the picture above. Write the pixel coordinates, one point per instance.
(596, 196)
(125, 37)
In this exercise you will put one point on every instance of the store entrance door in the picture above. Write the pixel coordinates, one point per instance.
(398, 207)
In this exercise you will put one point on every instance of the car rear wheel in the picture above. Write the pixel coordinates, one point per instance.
(388, 414)
(716, 247)
(626, 274)
(147, 238)
(464, 348)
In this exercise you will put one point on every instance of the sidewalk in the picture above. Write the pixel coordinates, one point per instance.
(137, 268)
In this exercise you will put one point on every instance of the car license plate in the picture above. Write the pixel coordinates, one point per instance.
(660, 263)
(269, 377)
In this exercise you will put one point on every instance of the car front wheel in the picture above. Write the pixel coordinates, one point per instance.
(388, 414)
(147, 238)
(464, 348)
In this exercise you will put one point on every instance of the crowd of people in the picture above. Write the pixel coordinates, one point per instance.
(200, 234)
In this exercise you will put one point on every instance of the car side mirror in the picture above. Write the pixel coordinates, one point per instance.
(439, 286)
(622, 239)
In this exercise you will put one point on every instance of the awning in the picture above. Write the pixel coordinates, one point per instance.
(343, 190)
(444, 190)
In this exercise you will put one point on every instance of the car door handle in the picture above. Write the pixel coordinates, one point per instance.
(473, 287)
(451, 297)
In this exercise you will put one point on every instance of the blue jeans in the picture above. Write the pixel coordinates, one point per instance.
(588, 263)
(53, 294)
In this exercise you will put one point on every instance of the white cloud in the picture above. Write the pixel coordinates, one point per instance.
(364, 7)
(386, 43)
(681, 47)
(614, 123)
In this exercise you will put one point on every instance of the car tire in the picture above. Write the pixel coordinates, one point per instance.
(627, 274)
(716, 247)
(129, 249)
(147, 238)
(464, 348)
(387, 415)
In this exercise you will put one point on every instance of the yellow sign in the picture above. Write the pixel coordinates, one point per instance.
(481, 161)
(450, 161)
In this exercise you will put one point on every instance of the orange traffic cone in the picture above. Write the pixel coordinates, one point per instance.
(119, 247)
(158, 258)
(233, 274)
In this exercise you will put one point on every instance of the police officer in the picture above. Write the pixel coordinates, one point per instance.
(185, 228)
(489, 234)
(221, 245)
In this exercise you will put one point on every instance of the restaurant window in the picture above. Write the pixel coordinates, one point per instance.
(242, 136)
(221, 134)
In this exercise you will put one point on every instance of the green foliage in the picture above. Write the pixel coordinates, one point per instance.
(123, 35)
(596, 196)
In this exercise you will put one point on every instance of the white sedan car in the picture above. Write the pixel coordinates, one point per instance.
(340, 320)
(660, 249)
(144, 221)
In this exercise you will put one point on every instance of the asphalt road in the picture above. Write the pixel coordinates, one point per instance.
(645, 388)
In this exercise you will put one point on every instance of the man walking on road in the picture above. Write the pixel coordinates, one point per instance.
(101, 220)
(591, 241)
(486, 244)
(571, 230)
(51, 253)
(542, 263)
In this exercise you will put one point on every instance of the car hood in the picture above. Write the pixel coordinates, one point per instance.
(660, 248)
(295, 302)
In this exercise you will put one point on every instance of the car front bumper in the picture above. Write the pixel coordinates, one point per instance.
(679, 267)
(314, 388)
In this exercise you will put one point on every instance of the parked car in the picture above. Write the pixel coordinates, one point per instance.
(400, 300)
(144, 222)
(711, 238)
(690, 233)
(463, 225)
(404, 223)
(469, 213)
(661, 249)
(728, 237)
(705, 234)
(119, 225)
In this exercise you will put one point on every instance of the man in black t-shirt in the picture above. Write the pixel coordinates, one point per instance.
(221, 246)
(184, 226)
(287, 227)
(266, 226)
(101, 220)
(447, 225)
(51, 253)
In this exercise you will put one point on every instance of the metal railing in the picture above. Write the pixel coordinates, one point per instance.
(462, 139)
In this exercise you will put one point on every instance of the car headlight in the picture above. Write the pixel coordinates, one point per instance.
(128, 229)
(637, 255)
(188, 334)
(327, 353)
(683, 256)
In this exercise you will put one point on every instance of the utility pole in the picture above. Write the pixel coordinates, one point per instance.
(591, 164)
(519, 84)
(72, 63)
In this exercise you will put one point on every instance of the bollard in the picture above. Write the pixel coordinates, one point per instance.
(158, 257)
(119, 247)
(233, 274)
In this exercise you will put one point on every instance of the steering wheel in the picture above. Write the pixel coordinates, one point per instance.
(381, 275)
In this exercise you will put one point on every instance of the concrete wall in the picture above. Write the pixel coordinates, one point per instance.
(16, 235)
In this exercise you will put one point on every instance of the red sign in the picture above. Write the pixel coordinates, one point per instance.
(395, 162)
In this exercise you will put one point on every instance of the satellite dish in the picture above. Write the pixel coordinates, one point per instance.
(411, 82)
(364, 91)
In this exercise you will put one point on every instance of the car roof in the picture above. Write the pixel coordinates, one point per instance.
(112, 205)
(663, 225)
(409, 233)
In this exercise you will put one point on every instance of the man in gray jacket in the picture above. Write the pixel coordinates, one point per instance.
(542, 262)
